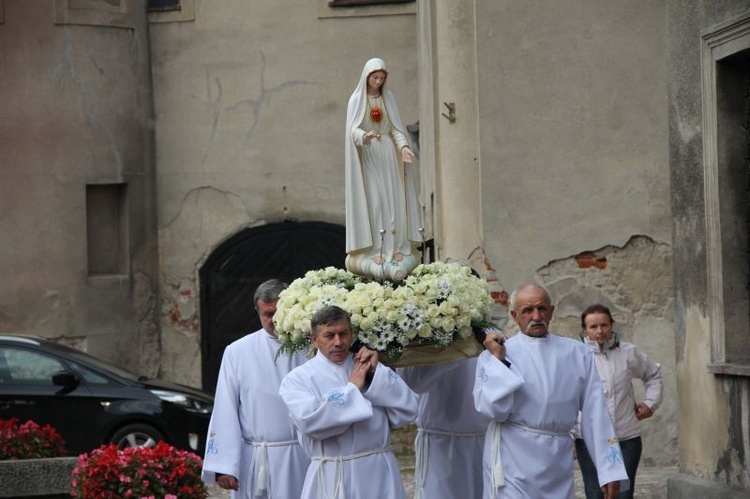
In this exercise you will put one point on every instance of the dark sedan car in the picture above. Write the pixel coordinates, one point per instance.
(91, 402)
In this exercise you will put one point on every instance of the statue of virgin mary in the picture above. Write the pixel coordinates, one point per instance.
(382, 206)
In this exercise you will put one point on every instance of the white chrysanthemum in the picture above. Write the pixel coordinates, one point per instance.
(437, 303)
(379, 344)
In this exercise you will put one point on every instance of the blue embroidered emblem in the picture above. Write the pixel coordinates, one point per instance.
(211, 447)
(615, 456)
(484, 377)
(336, 397)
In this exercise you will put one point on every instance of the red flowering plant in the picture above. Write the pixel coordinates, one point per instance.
(138, 472)
(28, 440)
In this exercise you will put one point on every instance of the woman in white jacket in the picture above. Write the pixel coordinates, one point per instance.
(618, 363)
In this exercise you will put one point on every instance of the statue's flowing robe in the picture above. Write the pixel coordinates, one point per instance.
(379, 196)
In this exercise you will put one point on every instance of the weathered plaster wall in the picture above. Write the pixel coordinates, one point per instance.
(206, 217)
(575, 167)
(713, 412)
(76, 110)
(635, 282)
(701, 390)
(573, 128)
(250, 109)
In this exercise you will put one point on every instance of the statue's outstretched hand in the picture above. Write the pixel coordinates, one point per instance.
(406, 155)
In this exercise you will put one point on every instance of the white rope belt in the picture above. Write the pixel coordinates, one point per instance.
(422, 448)
(459, 434)
(537, 430)
(338, 490)
(262, 483)
(497, 477)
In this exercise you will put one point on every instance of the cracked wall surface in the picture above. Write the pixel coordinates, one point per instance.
(207, 217)
(573, 129)
(635, 282)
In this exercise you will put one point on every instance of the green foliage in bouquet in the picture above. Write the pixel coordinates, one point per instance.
(28, 440)
(436, 304)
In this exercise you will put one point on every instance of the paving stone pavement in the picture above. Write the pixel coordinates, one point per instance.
(651, 483)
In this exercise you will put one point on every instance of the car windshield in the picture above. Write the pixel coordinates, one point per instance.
(78, 355)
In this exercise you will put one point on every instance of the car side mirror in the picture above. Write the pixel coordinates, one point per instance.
(67, 380)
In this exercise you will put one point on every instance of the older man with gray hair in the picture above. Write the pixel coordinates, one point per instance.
(532, 386)
(252, 447)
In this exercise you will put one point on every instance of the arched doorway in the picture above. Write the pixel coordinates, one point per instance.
(234, 270)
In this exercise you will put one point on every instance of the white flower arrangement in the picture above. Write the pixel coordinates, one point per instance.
(437, 304)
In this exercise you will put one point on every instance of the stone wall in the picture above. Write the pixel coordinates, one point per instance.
(635, 282)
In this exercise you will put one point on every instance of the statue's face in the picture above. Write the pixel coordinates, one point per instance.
(375, 80)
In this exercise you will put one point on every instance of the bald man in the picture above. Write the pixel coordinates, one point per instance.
(532, 386)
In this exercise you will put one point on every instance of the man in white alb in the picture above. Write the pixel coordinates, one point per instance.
(532, 386)
(252, 447)
(344, 406)
(450, 431)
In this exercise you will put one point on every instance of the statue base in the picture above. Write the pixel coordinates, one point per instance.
(363, 264)
(427, 355)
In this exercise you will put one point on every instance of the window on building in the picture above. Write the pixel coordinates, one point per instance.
(110, 13)
(163, 5)
(106, 229)
(365, 8)
(726, 136)
(357, 3)
(171, 11)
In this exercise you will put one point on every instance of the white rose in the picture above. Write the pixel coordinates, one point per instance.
(449, 324)
(425, 331)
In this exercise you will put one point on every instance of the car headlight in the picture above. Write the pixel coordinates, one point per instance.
(185, 401)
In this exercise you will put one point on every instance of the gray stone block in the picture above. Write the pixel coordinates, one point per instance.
(36, 477)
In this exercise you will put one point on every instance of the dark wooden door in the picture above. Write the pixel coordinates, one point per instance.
(231, 274)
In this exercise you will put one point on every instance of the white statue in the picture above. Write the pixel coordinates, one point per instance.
(382, 207)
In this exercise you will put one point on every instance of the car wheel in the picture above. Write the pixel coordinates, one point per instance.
(136, 435)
